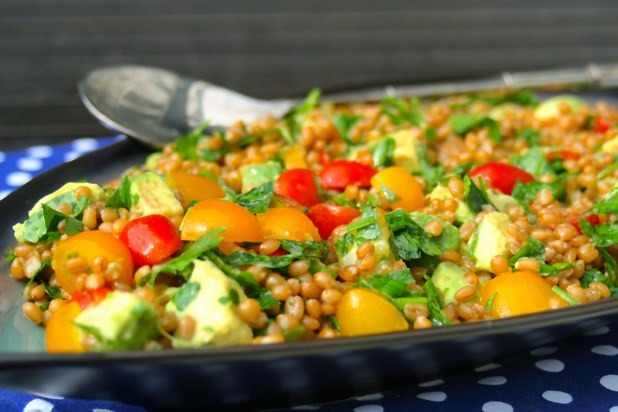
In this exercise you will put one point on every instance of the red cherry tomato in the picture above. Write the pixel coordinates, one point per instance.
(340, 174)
(300, 185)
(601, 124)
(501, 176)
(326, 217)
(86, 298)
(151, 239)
(562, 154)
(593, 219)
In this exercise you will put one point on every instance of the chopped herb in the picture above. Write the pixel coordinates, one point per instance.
(335, 322)
(186, 294)
(383, 152)
(297, 117)
(525, 193)
(476, 197)
(366, 227)
(182, 265)
(534, 162)
(609, 169)
(298, 333)
(392, 285)
(490, 303)
(463, 123)
(43, 225)
(402, 112)
(434, 303)
(609, 204)
(186, 145)
(257, 199)
(601, 235)
(344, 124)
(531, 136)
(554, 269)
(121, 197)
(10, 256)
(233, 297)
(432, 174)
(533, 248)
(564, 295)
(595, 275)
(520, 97)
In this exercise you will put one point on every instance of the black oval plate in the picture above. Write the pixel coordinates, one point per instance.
(248, 377)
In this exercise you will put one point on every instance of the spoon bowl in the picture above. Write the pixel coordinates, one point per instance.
(155, 106)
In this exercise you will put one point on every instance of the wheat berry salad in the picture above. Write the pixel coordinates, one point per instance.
(333, 221)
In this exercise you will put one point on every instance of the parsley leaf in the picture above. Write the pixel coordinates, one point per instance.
(533, 248)
(432, 174)
(344, 124)
(531, 136)
(534, 162)
(186, 145)
(601, 235)
(400, 111)
(43, 225)
(463, 123)
(609, 204)
(186, 294)
(383, 152)
(475, 196)
(257, 199)
(296, 118)
(434, 303)
(121, 196)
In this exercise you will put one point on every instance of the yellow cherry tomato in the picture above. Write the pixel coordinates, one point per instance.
(288, 223)
(61, 334)
(90, 245)
(193, 187)
(364, 312)
(407, 190)
(519, 293)
(240, 224)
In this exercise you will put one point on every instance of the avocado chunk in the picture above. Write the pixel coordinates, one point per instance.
(255, 175)
(120, 321)
(489, 239)
(550, 108)
(500, 200)
(64, 194)
(154, 196)
(449, 278)
(462, 213)
(211, 299)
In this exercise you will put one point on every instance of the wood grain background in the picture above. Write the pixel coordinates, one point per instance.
(273, 48)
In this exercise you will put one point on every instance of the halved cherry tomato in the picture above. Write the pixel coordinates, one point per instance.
(562, 154)
(90, 245)
(240, 224)
(61, 334)
(326, 217)
(592, 218)
(364, 312)
(519, 293)
(407, 190)
(340, 174)
(501, 176)
(287, 223)
(86, 298)
(151, 239)
(193, 187)
(602, 125)
(300, 185)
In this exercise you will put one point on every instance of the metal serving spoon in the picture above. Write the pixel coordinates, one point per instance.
(156, 106)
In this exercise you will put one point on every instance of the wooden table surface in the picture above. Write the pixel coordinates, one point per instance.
(274, 48)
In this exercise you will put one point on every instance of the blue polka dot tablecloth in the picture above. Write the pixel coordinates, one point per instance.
(579, 373)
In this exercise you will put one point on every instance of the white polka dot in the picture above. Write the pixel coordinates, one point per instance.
(47, 395)
(432, 396)
(38, 405)
(429, 384)
(370, 397)
(607, 350)
(29, 164)
(85, 145)
(18, 178)
(496, 406)
(487, 367)
(4, 193)
(2, 157)
(544, 351)
(369, 408)
(493, 380)
(40, 151)
(68, 156)
(550, 365)
(598, 331)
(613, 409)
(610, 382)
(557, 397)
